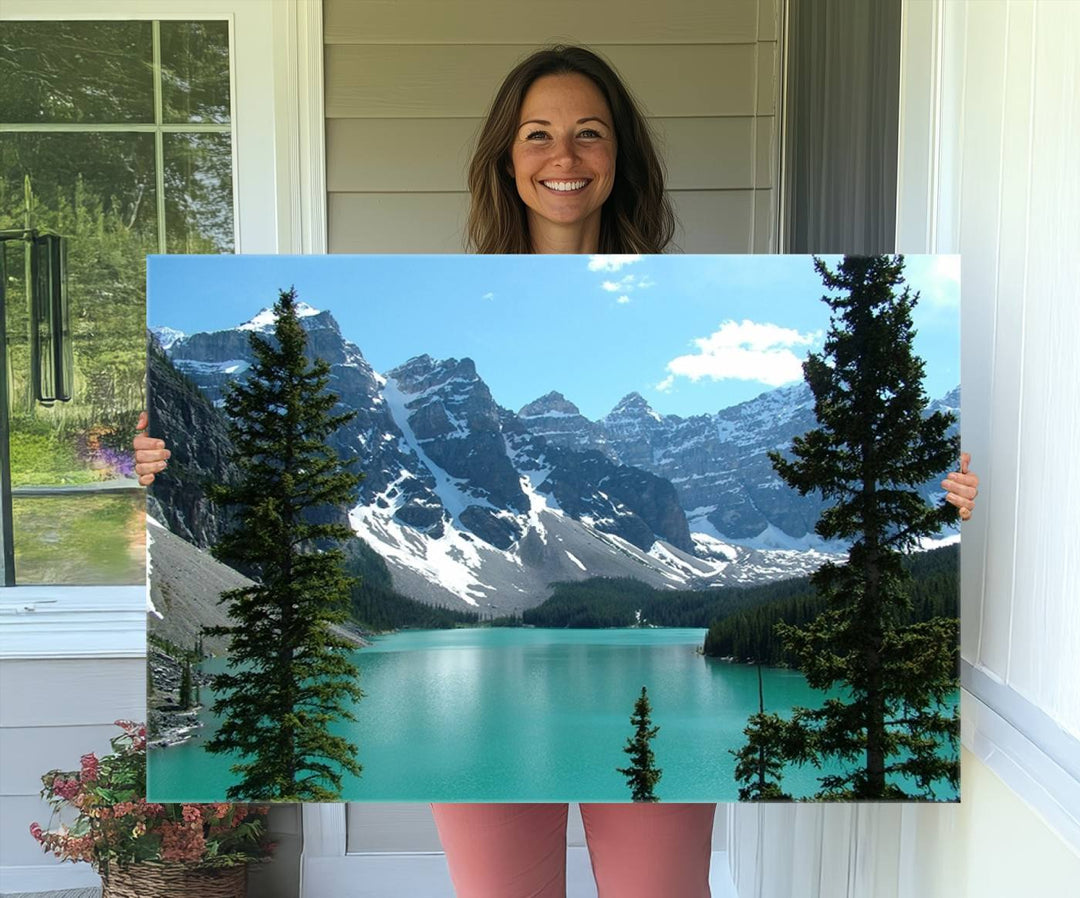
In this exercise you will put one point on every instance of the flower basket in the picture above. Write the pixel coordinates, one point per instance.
(143, 849)
(164, 880)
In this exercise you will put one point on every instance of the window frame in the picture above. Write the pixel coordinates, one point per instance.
(277, 107)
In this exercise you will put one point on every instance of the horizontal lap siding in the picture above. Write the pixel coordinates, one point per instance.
(53, 712)
(524, 22)
(407, 85)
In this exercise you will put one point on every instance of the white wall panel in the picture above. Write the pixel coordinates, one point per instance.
(983, 76)
(990, 137)
(1045, 631)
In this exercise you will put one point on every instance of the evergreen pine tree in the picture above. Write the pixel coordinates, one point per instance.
(872, 449)
(185, 686)
(290, 676)
(759, 764)
(642, 775)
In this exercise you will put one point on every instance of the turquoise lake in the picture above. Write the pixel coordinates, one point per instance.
(529, 715)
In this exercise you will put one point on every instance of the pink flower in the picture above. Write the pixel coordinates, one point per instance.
(36, 832)
(89, 767)
(65, 788)
(192, 813)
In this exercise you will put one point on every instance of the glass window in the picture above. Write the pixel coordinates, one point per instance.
(117, 136)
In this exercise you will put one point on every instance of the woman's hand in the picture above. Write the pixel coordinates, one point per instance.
(961, 487)
(151, 456)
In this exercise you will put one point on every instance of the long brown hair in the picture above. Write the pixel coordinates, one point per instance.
(637, 216)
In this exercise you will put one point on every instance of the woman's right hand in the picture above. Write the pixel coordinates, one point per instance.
(151, 456)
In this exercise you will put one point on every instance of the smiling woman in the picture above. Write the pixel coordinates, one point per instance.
(563, 161)
(562, 117)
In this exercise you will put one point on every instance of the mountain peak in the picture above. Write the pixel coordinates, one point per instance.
(266, 319)
(549, 404)
(634, 405)
(422, 372)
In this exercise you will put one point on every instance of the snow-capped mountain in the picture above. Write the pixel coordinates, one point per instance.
(166, 336)
(468, 501)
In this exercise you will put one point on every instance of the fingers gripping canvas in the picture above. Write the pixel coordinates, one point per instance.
(544, 528)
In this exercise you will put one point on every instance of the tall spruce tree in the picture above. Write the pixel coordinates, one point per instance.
(873, 448)
(290, 676)
(760, 763)
(642, 775)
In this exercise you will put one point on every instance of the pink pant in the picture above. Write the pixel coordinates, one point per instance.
(519, 850)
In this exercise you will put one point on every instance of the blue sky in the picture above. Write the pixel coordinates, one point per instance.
(691, 333)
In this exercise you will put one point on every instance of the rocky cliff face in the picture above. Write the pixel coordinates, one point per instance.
(197, 435)
(561, 423)
(469, 501)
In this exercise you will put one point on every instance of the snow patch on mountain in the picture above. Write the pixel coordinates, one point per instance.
(450, 490)
(166, 336)
(266, 319)
(228, 367)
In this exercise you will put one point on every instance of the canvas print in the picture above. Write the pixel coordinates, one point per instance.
(544, 528)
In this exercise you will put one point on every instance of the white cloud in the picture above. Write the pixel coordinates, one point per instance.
(488, 296)
(645, 283)
(626, 284)
(623, 300)
(610, 262)
(744, 351)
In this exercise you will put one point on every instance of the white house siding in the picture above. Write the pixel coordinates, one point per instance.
(52, 712)
(408, 83)
(990, 135)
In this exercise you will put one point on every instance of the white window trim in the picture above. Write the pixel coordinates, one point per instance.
(277, 97)
(279, 204)
(73, 622)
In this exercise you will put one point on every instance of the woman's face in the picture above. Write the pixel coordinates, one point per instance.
(563, 154)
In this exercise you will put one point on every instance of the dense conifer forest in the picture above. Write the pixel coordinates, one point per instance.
(740, 619)
(749, 634)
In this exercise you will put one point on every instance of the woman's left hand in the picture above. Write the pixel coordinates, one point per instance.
(961, 487)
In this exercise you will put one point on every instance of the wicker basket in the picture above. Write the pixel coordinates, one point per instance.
(150, 880)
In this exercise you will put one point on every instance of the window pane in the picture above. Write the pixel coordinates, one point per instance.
(81, 539)
(76, 72)
(98, 191)
(80, 182)
(198, 193)
(195, 71)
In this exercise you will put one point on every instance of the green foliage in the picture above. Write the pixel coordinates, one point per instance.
(759, 764)
(108, 821)
(872, 448)
(185, 686)
(642, 775)
(750, 634)
(290, 676)
(615, 601)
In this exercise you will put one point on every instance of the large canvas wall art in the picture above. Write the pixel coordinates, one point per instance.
(539, 528)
